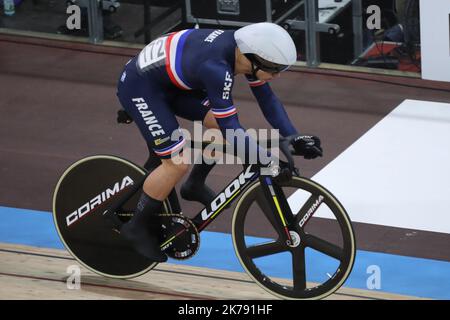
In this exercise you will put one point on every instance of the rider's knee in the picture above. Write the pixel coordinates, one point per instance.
(179, 168)
(183, 168)
(210, 121)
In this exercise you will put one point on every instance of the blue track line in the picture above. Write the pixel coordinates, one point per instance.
(398, 274)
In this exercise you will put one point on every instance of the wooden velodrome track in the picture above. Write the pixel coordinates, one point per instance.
(86, 96)
(37, 273)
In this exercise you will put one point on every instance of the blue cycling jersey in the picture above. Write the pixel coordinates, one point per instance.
(195, 65)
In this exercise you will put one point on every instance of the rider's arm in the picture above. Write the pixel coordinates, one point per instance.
(271, 107)
(305, 145)
(218, 80)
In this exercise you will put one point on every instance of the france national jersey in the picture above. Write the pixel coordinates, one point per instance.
(188, 73)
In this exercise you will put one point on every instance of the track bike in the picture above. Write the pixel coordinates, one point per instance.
(292, 236)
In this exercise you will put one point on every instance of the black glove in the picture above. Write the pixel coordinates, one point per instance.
(307, 146)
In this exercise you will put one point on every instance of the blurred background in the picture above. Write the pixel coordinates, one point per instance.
(340, 37)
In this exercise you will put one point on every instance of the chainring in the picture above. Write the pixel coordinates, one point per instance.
(179, 236)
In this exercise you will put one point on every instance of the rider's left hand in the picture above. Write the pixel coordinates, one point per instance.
(307, 146)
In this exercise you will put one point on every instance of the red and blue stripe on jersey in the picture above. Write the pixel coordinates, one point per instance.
(174, 52)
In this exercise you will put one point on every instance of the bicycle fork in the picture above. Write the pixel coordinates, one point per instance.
(282, 216)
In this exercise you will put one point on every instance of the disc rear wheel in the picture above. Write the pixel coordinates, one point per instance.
(83, 193)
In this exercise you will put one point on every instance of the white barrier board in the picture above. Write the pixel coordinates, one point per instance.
(435, 39)
(398, 173)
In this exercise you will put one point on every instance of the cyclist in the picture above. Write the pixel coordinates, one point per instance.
(190, 74)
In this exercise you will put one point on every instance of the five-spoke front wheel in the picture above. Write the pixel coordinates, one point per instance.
(320, 253)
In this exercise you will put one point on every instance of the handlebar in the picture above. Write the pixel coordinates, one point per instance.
(285, 148)
(284, 145)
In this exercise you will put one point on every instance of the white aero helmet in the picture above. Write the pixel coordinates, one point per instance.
(267, 45)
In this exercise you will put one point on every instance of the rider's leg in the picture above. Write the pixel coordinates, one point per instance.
(163, 179)
(144, 228)
(210, 121)
(195, 107)
(150, 107)
(195, 188)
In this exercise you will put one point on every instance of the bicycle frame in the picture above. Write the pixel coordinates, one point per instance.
(224, 199)
(278, 206)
